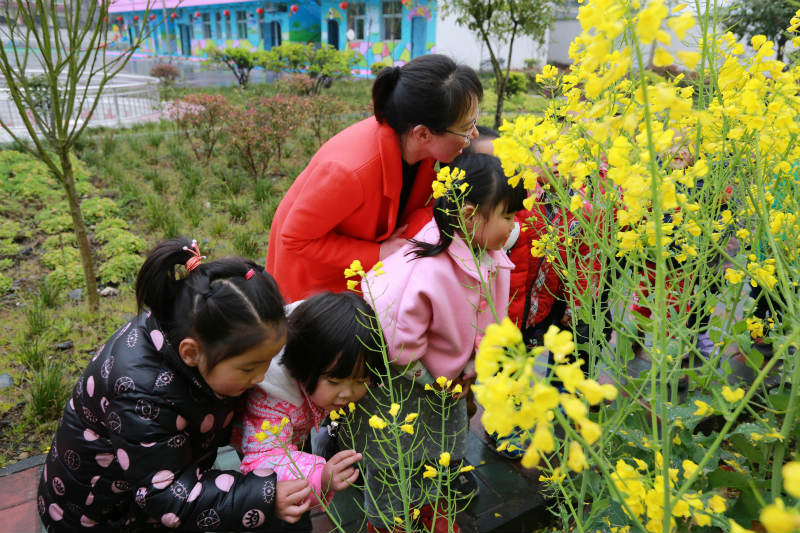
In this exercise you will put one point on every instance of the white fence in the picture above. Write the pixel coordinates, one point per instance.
(125, 100)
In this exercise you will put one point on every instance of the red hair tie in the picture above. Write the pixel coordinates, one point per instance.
(250, 273)
(196, 259)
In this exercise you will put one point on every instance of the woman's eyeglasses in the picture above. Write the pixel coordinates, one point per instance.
(467, 135)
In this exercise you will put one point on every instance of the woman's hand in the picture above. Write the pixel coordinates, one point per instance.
(392, 243)
(291, 499)
(339, 473)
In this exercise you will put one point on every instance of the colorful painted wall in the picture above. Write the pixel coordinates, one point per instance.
(417, 31)
(192, 28)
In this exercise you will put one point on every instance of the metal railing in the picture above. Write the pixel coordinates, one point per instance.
(126, 99)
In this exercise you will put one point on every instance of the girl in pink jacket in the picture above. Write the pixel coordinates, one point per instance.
(434, 302)
(323, 368)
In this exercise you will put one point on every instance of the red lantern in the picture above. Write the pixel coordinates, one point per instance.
(260, 10)
(293, 8)
(119, 19)
(136, 18)
(343, 6)
(152, 17)
(226, 13)
(105, 19)
(173, 16)
(197, 15)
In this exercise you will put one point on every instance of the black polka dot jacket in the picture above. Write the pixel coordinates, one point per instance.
(136, 442)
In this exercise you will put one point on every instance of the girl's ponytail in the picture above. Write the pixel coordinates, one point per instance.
(446, 217)
(159, 284)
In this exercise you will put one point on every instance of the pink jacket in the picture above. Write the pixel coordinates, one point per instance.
(433, 309)
(278, 396)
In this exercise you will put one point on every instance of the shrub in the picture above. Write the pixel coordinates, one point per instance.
(165, 72)
(322, 64)
(295, 84)
(31, 354)
(63, 257)
(198, 117)
(53, 223)
(517, 83)
(238, 207)
(240, 60)
(326, 116)
(376, 68)
(160, 217)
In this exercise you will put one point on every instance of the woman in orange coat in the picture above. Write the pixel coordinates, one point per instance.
(368, 188)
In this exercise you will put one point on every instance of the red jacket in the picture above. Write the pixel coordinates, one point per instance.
(341, 207)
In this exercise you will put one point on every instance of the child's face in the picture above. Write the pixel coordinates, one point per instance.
(491, 233)
(233, 376)
(334, 393)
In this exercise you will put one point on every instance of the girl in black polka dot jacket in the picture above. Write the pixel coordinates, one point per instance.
(136, 442)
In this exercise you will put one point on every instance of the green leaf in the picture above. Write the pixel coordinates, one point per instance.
(755, 359)
(726, 479)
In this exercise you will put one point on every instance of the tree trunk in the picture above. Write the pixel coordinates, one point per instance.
(501, 95)
(68, 180)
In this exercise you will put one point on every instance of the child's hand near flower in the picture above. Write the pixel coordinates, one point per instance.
(340, 472)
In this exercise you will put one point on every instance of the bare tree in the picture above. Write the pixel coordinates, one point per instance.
(69, 43)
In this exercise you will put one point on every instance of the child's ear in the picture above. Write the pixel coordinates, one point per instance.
(468, 215)
(190, 352)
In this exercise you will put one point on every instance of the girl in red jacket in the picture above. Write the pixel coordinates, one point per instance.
(369, 186)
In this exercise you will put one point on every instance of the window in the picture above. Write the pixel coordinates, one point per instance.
(218, 21)
(241, 24)
(392, 19)
(228, 27)
(356, 20)
(206, 17)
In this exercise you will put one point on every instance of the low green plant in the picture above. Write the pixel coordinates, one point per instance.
(49, 391)
(120, 268)
(6, 283)
(97, 208)
(54, 221)
(248, 243)
(49, 297)
(31, 354)
(61, 257)
(160, 217)
(517, 83)
(238, 208)
(262, 190)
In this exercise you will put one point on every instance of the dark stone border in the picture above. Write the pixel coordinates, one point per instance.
(19, 466)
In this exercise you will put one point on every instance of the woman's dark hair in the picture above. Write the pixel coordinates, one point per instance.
(432, 90)
(485, 133)
(215, 303)
(332, 334)
(487, 188)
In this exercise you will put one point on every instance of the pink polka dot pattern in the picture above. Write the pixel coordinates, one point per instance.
(104, 459)
(122, 457)
(228, 419)
(95, 479)
(87, 522)
(90, 435)
(158, 339)
(163, 479)
(55, 512)
(180, 423)
(90, 499)
(224, 482)
(147, 444)
(90, 386)
(207, 424)
(195, 493)
(170, 520)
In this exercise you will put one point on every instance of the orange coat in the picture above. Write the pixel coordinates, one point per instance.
(341, 207)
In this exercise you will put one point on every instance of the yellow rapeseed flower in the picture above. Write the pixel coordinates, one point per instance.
(394, 409)
(791, 478)
(377, 422)
(731, 395)
(410, 417)
(777, 519)
(703, 409)
(576, 460)
(407, 428)
(430, 472)
(444, 459)
(558, 342)
(689, 468)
